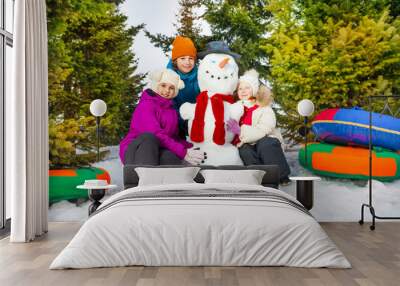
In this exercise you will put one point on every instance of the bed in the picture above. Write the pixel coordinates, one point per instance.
(201, 224)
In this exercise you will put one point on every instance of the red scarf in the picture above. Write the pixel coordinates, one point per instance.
(217, 105)
(245, 119)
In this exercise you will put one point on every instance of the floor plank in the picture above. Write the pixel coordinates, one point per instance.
(375, 257)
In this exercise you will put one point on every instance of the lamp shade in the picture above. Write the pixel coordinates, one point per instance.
(305, 107)
(98, 107)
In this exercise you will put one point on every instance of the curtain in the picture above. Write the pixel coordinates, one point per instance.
(27, 152)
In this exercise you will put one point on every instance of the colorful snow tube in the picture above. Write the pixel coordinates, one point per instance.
(350, 162)
(351, 127)
(63, 182)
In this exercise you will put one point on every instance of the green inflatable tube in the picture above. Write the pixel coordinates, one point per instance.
(63, 182)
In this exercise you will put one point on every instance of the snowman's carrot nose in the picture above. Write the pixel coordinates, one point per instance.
(223, 63)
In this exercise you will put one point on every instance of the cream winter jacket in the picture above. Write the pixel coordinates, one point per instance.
(263, 123)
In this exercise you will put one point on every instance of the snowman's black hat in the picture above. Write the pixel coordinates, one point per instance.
(217, 47)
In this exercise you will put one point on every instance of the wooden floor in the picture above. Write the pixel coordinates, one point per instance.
(374, 255)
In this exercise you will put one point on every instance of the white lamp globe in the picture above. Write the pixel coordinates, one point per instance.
(305, 107)
(98, 107)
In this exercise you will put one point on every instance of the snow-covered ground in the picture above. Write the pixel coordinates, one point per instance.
(334, 199)
(341, 200)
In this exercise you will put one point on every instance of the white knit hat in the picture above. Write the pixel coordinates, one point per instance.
(166, 76)
(251, 77)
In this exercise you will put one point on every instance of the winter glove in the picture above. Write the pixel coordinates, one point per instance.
(194, 156)
(233, 126)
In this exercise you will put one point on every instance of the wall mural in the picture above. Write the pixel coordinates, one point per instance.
(230, 92)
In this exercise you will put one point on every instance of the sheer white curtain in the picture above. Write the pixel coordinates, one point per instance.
(27, 150)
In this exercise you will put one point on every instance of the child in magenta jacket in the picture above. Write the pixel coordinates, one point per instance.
(153, 135)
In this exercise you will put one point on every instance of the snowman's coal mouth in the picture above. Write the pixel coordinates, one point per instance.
(219, 77)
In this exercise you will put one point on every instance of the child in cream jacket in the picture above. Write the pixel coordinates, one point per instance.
(258, 139)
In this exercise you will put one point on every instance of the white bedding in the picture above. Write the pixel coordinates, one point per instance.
(226, 231)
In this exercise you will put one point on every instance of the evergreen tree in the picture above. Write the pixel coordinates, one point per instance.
(394, 7)
(65, 136)
(243, 25)
(335, 53)
(187, 26)
(90, 57)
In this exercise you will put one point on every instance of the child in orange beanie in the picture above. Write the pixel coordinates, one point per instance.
(183, 62)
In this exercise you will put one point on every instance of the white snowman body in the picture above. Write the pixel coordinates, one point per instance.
(217, 74)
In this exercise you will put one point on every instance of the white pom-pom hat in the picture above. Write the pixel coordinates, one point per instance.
(166, 76)
(251, 77)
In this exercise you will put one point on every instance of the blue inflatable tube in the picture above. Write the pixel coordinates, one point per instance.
(351, 127)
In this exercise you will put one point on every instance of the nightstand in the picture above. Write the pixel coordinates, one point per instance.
(305, 190)
(96, 191)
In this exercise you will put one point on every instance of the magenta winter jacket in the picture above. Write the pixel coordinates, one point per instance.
(155, 114)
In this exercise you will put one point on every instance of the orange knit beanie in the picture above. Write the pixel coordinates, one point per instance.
(183, 46)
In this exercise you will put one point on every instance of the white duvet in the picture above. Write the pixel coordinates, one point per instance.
(200, 231)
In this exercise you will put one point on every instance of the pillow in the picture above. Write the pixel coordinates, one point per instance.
(163, 176)
(248, 177)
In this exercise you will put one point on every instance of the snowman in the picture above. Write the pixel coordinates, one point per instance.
(218, 79)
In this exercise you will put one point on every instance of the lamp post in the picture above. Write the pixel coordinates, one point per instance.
(97, 108)
(305, 108)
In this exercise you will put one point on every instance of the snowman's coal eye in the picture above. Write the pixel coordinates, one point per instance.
(207, 72)
(231, 74)
(212, 76)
